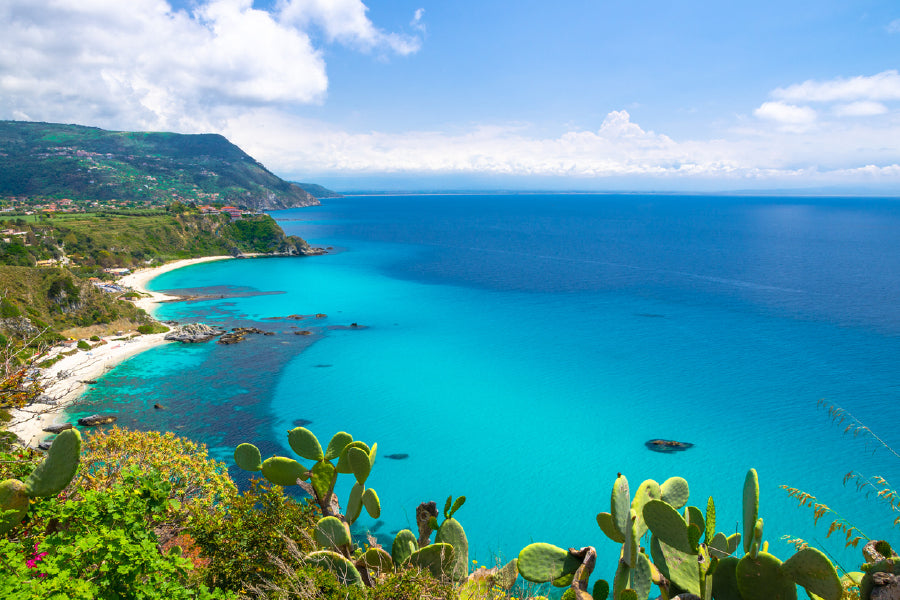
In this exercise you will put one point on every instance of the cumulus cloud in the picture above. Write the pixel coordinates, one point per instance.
(787, 115)
(143, 64)
(346, 21)
(857, 152)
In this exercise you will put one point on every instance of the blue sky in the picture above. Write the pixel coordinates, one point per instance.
(425, 94)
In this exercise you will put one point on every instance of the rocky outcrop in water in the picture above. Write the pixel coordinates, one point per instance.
(94, 420)
(193, 333)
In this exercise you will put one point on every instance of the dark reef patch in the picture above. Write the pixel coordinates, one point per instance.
(397, 456)
(301, 422)
(667, 446)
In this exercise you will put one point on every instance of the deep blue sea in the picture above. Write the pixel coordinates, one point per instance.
(522, 348)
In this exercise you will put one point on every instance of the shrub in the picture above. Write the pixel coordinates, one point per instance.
(95, 338)
(9, 310)
(102, 546)
(248, 531)
(152, 328)
(83, 345)
(192, 475)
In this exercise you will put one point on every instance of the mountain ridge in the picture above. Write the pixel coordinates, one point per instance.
(47, 161)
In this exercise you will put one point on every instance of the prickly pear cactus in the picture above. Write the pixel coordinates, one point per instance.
(812, 570)
(345, 571)
(248, 458)
(543, 563)
(58, 469)
(331, 532)
(451, 532)
(13, 496)
(405, 543)
(436, 558)
(283, 471)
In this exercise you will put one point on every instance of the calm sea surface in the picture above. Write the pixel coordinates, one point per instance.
(521, 349)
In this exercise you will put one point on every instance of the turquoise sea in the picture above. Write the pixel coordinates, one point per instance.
(522, 348)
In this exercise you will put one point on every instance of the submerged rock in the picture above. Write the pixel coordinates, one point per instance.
(193, 333)
(667, 446)
(302, 422)
(400, 456)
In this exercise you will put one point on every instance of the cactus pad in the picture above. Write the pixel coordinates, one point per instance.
(337, 444)
(675, 491)
(342, 568)
(621, 580)
(322, 479)
(542, 563)
(647, 491)
(600, 591)
(331, 532)
(667, 525)
(680, 567)
(451, 532)
(620, 505)
(605, 521)
(354, 502)
(641, 576)
(359, 464)
(725, 581)
(750, 507)
(343, 465)
(247, 457)
(762, 578)
(13, 496)
(376, 559)
(305, 444)
(710, 519)
(372, 503)
(58, 469)
(405, 543)
(283, 471)
(811, 569)
(436, 558)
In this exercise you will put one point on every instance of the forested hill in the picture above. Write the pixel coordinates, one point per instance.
(86, 165)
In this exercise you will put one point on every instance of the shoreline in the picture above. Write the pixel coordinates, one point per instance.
(66, 380)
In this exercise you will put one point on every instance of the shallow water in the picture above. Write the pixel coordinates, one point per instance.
(521, 349)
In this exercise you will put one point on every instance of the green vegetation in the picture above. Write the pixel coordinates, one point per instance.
(70, 166)
(92, 242)
(149, 515)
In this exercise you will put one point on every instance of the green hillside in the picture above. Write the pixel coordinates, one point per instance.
(97, 168)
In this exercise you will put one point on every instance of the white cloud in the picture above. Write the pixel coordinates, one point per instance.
(858, 151)
(417, 23)
(894, 26)
(880, 87)
(345, 21)
(143, 65)
(787, 115)
(862, 108)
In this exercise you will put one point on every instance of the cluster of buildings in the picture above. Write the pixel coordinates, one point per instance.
(232, 211)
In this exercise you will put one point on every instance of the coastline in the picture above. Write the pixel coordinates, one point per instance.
(66, 380)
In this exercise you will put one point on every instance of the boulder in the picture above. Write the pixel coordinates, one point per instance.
(57, 428)
(94, 420)
(193, 333)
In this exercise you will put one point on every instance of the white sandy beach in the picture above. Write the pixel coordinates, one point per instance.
(64, 381)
